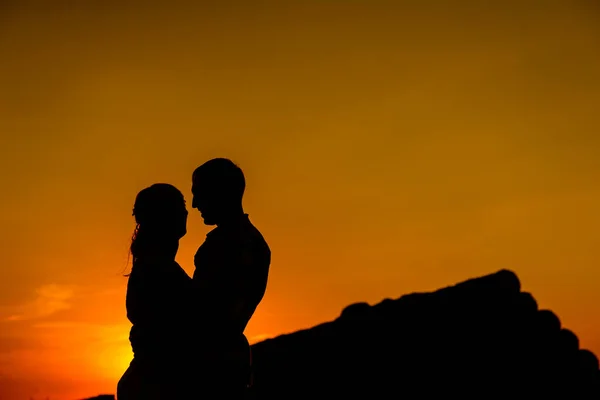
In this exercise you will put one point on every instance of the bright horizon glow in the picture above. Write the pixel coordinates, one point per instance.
(389, 147)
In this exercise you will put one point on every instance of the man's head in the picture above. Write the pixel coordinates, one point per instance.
(218, 187)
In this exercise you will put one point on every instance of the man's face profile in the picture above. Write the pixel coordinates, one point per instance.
(217, 189)
(203, 201)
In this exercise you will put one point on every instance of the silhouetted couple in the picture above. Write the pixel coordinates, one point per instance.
(188, 333)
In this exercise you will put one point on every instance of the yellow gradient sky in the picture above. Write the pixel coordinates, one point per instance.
(389, 147)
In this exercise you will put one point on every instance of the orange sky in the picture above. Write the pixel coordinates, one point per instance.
(389, 147)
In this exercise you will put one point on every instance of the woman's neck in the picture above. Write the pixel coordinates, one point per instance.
(162, 250)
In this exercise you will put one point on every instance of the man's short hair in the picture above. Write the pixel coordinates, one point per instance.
(223, 175)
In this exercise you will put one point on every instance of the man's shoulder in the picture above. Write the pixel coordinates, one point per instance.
(245, 238)
(253, 232)
(255, 238)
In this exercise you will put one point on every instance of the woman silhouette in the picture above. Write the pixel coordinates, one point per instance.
(157, 293)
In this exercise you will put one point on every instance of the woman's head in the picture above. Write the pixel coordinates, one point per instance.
(160, 216)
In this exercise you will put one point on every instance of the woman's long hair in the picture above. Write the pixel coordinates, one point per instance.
(152, 208)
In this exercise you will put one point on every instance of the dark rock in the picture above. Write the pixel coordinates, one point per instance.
(482, 338)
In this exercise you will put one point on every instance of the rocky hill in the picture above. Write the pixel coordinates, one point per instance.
(480, 339)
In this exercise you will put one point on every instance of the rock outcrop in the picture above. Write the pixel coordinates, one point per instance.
(480, 339)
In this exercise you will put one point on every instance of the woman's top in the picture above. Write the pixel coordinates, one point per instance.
(158, 301)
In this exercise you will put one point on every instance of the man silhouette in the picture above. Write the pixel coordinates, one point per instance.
(230, 279)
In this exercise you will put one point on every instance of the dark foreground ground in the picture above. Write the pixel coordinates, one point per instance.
(480, 339)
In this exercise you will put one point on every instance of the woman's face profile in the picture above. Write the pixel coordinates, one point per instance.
(175, 218)
(181, 220)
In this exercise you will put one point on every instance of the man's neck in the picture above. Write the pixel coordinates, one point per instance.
(233, 218)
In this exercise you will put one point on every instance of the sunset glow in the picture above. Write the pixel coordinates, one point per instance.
(389, 147)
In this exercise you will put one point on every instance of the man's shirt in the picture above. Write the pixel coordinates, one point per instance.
(230, 279)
